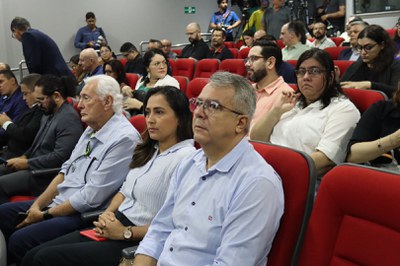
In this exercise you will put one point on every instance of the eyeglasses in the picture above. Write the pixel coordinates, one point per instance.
(312, 72)
(209, 106)
(160, 64)
(251, 59)
(367, 48)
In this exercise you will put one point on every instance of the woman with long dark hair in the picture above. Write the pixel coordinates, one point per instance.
(115, 69)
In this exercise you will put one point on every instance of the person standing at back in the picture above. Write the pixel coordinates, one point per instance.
(275, 17)
(41, 53)
(90, 36)
(225, 19)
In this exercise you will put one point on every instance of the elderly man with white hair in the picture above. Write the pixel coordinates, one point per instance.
(87, 181)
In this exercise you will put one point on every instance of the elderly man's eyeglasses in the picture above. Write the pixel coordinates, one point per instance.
(367, 48)
(209, 106)
(251, 59)
(312, 72)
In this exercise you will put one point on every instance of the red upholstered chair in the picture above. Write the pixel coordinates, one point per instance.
(292, 62)
(244, 52)
(294, 86)
(239, 44)
(195, 86)
(355, 219)
(132, 79)
(298, 175)
(184, 67)
(206, 67)
(280, 43)
(337, 40)
(123, 61)
(343, 65)
(171, 63)
(235, 66)
(183, 82)
(363, 99)
(229, 44)
(139, 122)
(391, 32)
(177, 51)
(235, 52)
(335, 51)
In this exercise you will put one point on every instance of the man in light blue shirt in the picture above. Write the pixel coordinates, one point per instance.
(94, 173)
(224, 202)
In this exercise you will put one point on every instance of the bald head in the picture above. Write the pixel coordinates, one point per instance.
(88, 59)
(193, 31)
(194, 26)
(259, 34)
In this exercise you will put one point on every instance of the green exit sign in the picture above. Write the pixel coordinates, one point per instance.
(190, 9)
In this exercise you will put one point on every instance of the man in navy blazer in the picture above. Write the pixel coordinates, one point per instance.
(351, 53)
(41, 53)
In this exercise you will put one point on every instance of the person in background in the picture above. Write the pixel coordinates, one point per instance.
(376, 139)
(135, 60)
(275, 17)
(352, 54)
(115, 69)
(293, 35)
(90, 36)
(154, 44)
(248, 38)
(21, 132)
(377, 70)
(218, 49)
(331, 11)
(197, 49)
(321, 40)
(155, 74)
(76, 69)
(166, 48)
(4, 66)
(260, 34)
(89, 63)
(396, 40)
(255, 23)
(106, 54)
(318, 121)
(41, 53)
(345, 35)
(235, 201)
(225, 19)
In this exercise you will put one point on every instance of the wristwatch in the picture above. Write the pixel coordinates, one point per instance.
(128, 233)
(47, 215)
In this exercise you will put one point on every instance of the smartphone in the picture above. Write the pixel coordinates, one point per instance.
(90, 233)
(20, 217)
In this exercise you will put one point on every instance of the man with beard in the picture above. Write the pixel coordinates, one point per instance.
(262, 64)
(321, 40)
(197, 49)
(60, 129)
(218, 48)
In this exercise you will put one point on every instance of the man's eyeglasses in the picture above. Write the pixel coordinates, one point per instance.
(312, 71)
(209, 106)
(367, 48)
(251, 59)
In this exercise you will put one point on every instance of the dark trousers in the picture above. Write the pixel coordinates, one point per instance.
(20, 241)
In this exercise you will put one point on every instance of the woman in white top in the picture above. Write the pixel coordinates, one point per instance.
(155, 74)
(125, 222)
(318, 121)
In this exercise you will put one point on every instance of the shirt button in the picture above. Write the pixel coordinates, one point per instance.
(186, 228)
(193, 203)
(171, 249)
(203, 178)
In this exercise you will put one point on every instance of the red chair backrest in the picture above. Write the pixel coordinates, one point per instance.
(177, 51)
(391, 32)
(123, 61)
(183, 82)
(235, 66)
(132, 79)
(229, 44)
(343, 65)
(355, 219)
(297, 172)
(239, 44)
(363, 99)
(280, 43)
(292, 62)
(335, 51)
(244, 52)
(139, 122)
(337, 40)
(294, 86)
(195, 86)
(184, 67)
(171, 63)
(235, 52)
(206, 67)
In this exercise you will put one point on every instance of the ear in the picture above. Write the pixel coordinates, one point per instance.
(242, 124)
(108, 102)
(271, 61)
(57, 96)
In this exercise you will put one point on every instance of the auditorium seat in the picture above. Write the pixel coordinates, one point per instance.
(343, 65)
(177, 51)
(132, 79)
(195, 86)
(123, 61)
(235, 52)
(235, 66)
(206, 67)
(183, 82)
(229, 44)
(139, 122)
(184, 67)
(239, 44)
(280, 43)
(335, 51)
(292, 62)
(244, 52)
(337, 40)
(363, 99)
(391, 32)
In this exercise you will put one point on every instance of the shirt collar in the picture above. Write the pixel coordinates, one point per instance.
(106, 130)
(272, 86)
(177, 146)
(219, 50)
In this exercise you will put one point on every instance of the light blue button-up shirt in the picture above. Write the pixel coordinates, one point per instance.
(226, 215)
(91, 180)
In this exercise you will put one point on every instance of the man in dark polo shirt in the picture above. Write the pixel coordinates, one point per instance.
(197, 49)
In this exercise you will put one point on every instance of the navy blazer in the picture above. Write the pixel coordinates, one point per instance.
(42, 55)
(56, 138)
(345, 54)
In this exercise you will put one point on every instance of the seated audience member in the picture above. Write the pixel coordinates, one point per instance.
(244, 197)
(218, 49)
(377, 70)
(396, 39)
(126, 220)
(154, 75)
(115, 69)
(135, 60)
(87, 181)
(260, 34)
(321, 40)
(76, 69)
(345, 35)
(20, 132)
(318, 121)
(154, 44)
(60, 129)
(247, 38)
(90, 36)
(166, 48)
(89, 63)
(11, 101)
(106, 54)
(376, 139)
(197, 49)
(4, 66)
(352, 54)
(293, 35)
(225, 19)
(262, 64)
